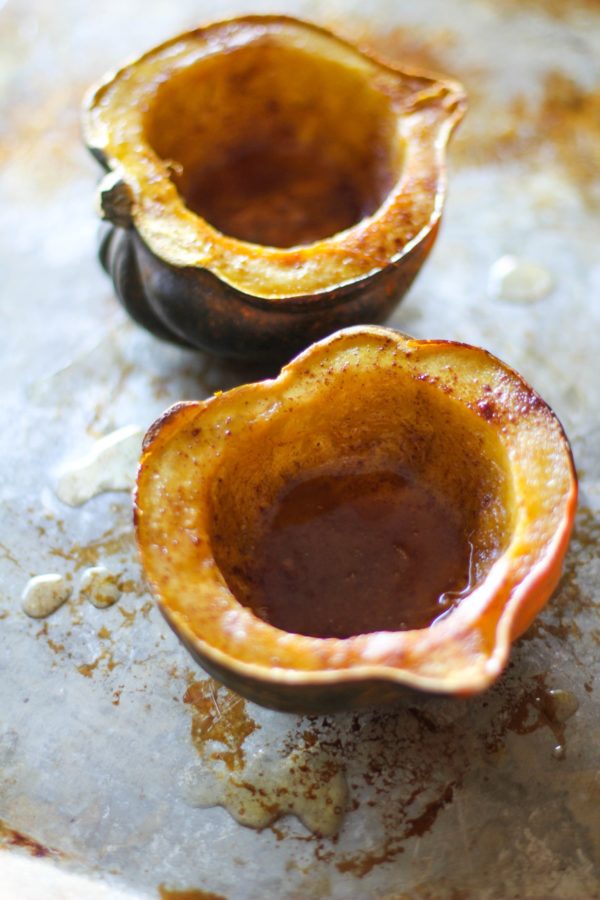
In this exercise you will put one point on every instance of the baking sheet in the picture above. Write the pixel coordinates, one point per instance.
(106, 723)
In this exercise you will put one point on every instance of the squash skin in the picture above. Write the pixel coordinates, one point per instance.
(463, 654)
(193, 308)
(194, 305)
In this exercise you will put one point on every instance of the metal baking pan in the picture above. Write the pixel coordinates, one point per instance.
(110, 737)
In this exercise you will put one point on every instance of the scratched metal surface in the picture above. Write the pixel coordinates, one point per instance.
(446, 798)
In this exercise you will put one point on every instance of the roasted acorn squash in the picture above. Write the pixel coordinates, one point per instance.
(267, 183)
(453, 417)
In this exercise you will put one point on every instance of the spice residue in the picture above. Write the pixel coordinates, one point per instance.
(87, 669)
(111, 543)
(539, 133)
(518, 280)
(567, 110)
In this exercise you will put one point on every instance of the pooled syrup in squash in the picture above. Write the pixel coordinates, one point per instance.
(348, 554)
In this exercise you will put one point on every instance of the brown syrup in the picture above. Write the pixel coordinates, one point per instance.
(220, 716)
(9, 837)
(277, 197)
(190, 894)
(354, 553)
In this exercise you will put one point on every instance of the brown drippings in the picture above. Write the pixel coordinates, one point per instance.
(191, 894)
(406, 765)
(360, 864)
(541, 707)
(411, 763)
(354, 553)
(9, 837)
(219, 715)
(564, 125)
(278, 198)
(423, 823)
(401, 46)
(87, 669)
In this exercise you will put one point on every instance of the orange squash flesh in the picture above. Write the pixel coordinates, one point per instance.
(176, 112)
(252, 213)
(463, 422)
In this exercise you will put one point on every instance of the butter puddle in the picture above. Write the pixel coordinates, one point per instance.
(518, 280)
(257, 785)
(99, 586)
(110, 465)
(563, 704)
(540, 706)
(44, 594)
(307, 784)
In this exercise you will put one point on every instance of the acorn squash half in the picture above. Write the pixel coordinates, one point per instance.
(450, 417)
(267, 184)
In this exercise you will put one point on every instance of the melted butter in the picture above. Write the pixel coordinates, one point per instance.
(354, 553)
(308, 785)
(110, 465)
(563, 704)
(541, 706)
(518, 280)
(257, 786)
(99, 586)
(44, 594)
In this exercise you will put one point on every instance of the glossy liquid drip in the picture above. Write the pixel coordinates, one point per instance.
(355, 553)
(309, 786)
(110, 465)
(278, 198)
(257, 783)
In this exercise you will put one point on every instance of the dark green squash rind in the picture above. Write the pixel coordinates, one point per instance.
(192, 307)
